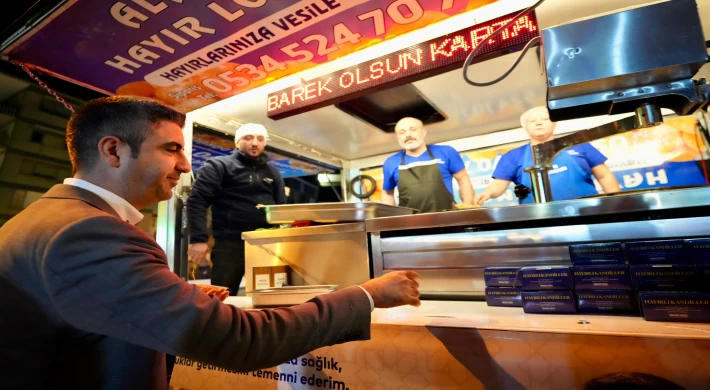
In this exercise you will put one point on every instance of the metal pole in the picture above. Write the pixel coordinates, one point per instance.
(540, 181)
(648, 115)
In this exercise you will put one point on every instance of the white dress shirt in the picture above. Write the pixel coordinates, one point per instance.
(372, 303)
(124, 209)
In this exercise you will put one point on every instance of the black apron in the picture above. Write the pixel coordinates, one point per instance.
(422, 187)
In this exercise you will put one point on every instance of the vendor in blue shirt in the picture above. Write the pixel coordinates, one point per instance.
(572, 169)
(423, 173)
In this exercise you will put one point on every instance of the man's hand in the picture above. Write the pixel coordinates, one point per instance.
(463, 206)
(394, 289)
(198, 253)
(220, 292)
(480, 199)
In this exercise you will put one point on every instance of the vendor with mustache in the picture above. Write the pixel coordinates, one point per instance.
(423, 173)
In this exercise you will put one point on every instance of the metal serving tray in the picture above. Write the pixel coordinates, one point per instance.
(288, 295)
(332, 212)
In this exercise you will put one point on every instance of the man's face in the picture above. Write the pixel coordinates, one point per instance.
(538, 125)
(150, 177)
(410, 134)
(252, 145)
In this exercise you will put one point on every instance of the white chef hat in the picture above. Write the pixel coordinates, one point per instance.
(250, 129)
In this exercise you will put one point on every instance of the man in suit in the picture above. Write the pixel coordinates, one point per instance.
(88, 300)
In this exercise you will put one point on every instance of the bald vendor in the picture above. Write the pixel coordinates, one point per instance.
(573, 168)
(424, 173)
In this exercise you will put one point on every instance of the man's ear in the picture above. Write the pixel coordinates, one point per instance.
(110, 150)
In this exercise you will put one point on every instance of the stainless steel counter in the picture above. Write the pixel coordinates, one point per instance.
(450, 249)
(305, 231)
(331, 212)
(328, 254)
(653, 201)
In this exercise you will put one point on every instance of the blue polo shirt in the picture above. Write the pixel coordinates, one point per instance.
(450, 162)
(511, 165)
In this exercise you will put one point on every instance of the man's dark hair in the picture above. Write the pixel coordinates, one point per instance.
(631, 381)
(127, 118)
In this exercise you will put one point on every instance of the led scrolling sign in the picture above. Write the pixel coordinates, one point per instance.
(416, 62)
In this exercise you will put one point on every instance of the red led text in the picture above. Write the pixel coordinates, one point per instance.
(422, 60)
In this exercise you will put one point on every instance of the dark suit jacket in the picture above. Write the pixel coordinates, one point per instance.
(87, 301)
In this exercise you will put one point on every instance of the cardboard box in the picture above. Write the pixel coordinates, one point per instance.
(504, 296)
(279, 275)
(665, 277)
(262, 278)
(606, 302)
(549, 302)
(590, 254)
(699, 250)
(601, 277)
(502, 277)
(675, 306)
(657, 252)
(546, 278)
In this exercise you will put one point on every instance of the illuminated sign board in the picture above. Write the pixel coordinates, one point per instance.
(416, 62)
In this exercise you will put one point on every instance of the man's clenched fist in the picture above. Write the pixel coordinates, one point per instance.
(394, 289)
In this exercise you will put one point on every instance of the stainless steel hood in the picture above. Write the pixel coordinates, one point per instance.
(614, 63)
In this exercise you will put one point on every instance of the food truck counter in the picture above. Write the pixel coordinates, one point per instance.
(468, 345)
(477, 315)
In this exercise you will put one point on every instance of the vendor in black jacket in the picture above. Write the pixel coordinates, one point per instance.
(233, 185)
